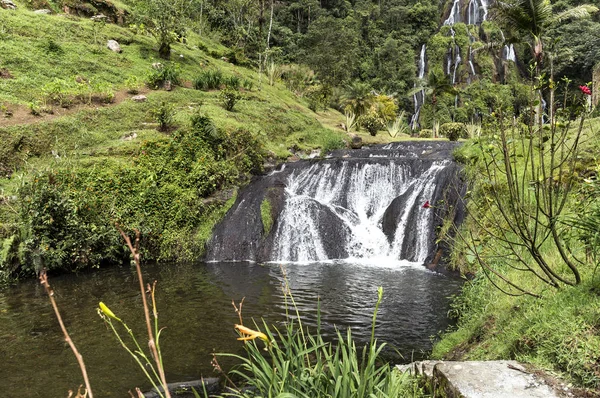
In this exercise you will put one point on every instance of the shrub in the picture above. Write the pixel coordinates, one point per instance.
(209, 80)
(248, 84)
(233, 82)
(372, 122)
(453, 131)
(162, 74)
(164, 114)
(229, 97)
(426, 133)
(330, 142)
(266, 216)
(50, 46)
(133, 84)
(59, 92)
(317, 97)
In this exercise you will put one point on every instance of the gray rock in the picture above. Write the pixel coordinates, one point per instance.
(488, 379)
(157, 65)
(139, 98)
(8, 5)
(99, 18)
(479, 379)
(184, 389)
(44, 11)
(130, 137)
(112, 45)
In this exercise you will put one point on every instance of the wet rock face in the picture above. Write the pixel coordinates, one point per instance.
(363, 203)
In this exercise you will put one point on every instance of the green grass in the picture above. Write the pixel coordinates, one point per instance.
(266, 216)
(559, 332)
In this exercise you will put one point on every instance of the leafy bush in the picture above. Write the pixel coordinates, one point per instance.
(248, 84)
(331, 142)
(297, 77)
(59, 92)
(372, 122)
(133, 84)
(209, 80)
(162, 74)
(426, 133)
(233, 82)
(61, 228)
(266, 216)
(453, 131)
(229, 97)
(164, 114)
(317, 97)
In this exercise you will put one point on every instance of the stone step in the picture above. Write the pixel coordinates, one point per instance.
(480, 379)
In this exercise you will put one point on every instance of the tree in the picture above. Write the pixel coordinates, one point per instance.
(331, 49)
(165, 20)
(437, 83)
(531, 19)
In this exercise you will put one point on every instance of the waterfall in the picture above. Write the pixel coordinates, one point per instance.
(471, 61)
(360, 206)
(477, 11)
(457, 61)
(419, 98)
(454, 16)
(508, 53)
(357, 195)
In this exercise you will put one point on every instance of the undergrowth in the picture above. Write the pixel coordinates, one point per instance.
(295, 362)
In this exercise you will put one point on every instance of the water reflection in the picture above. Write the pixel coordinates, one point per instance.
(194, 304)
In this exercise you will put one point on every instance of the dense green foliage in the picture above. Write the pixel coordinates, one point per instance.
(67, 215)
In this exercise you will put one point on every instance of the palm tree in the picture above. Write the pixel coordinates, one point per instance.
(532, 18)
(358, 97)
(436, 84)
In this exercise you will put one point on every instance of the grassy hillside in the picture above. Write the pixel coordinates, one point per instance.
(77, 154)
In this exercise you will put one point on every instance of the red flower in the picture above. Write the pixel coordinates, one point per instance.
(586, 90)
(426, 205)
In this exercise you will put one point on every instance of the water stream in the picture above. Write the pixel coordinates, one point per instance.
(194, 303)
(342, 227)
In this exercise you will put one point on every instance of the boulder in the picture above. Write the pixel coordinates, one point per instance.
(113, 45)
(184, 389)
(139, 98)
(480, 379)
(44, 11)
(99, 18)
(8, 5)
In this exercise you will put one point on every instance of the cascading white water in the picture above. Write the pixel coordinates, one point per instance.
(508, 53)
(471, 61)
(419, 98)
(454, 16)
(477, 11)
(356, 196)
(457, 61)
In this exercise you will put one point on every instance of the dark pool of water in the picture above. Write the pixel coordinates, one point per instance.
(194, 303)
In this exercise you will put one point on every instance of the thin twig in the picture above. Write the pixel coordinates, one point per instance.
(151, 342)
(44, 282)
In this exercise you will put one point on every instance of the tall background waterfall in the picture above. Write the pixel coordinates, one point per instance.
(364, 205)
(472, 13)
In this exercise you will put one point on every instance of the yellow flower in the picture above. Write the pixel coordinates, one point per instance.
(106, 311)
(250, 334)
